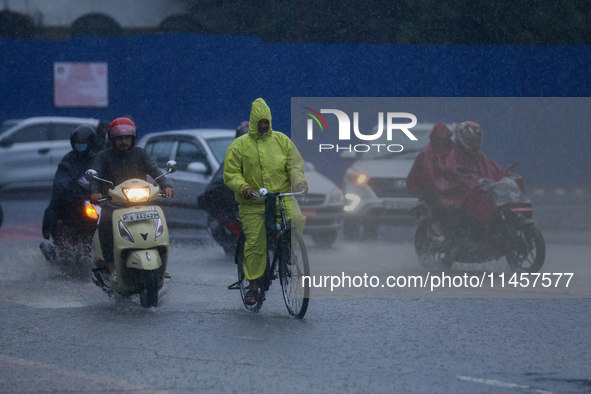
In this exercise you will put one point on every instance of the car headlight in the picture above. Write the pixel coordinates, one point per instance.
(352, 201)
(356, 178)
(336, 196)
(140, 194)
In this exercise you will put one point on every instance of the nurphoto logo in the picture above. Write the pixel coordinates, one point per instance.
(392, 123)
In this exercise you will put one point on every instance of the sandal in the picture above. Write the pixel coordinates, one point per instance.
(251, 294)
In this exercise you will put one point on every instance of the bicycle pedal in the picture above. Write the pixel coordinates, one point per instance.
(235, 286)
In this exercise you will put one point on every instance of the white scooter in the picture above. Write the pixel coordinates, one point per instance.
(140, 239)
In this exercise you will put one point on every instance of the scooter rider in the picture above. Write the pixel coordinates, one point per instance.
(117, 164)
(66, 188)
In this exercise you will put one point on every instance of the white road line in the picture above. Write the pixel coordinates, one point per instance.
(121, 384)
(498, 383)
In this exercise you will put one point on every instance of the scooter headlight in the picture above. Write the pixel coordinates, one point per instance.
(124, 232)
(140, 194)
(159, 228)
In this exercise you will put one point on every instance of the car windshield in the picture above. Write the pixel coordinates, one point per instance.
(7, 125)
(410, 151)
(219, 146)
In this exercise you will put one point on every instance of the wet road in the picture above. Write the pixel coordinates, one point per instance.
(61, 334)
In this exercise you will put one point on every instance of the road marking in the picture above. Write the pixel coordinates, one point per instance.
(23, 232)
(46, 303)
(498, 383)
(256, 339)
(122, 384)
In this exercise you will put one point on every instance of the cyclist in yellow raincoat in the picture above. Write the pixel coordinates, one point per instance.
(262, 158)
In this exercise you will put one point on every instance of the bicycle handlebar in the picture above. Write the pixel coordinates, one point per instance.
(277, 195)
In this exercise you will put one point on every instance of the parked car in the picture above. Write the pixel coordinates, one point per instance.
(31, 149)
(323, 207)
(375, 184)
(198, 153)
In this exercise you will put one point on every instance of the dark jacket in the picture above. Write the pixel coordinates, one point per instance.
(67, 191)
(118, 166)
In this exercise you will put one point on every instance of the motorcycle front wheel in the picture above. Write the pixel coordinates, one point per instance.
(430, 251)
(529, 250)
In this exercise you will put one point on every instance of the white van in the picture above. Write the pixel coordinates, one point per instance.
(375, 184)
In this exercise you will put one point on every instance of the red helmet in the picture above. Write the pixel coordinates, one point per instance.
(120, 127)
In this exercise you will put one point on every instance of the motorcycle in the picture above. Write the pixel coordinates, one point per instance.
(73, 230)
(223, 222)
(444, 237)
(140, 240)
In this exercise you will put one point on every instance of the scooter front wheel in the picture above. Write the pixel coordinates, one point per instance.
(146, 283)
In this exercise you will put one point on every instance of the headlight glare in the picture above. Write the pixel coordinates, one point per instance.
(141, 194)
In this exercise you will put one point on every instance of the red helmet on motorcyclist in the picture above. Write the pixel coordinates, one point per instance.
(122, 127)
(469, 136)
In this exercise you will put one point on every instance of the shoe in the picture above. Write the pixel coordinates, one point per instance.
(48, 251)
(97, 279)
(113, 277)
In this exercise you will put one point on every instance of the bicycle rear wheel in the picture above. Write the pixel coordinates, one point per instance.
(293, 266)
(242, 282)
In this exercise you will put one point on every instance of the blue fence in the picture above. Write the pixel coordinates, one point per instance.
(182, 81)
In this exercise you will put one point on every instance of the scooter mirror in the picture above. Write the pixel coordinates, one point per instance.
(89, 175)
(170, 166)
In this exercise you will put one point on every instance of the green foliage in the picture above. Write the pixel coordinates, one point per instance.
(459, 22)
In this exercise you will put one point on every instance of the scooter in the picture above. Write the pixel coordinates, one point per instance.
(511, 233)
(140, 239)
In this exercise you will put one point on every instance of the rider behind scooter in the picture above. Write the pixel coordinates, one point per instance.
(117, 164)
(68, 192)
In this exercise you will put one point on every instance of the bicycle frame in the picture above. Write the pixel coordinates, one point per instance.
(280, 264)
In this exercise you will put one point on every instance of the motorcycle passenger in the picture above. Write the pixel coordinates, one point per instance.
(217, 197)
(117, 164)
(102, 133)
(262, 158)
(67, 189)
(435, 178)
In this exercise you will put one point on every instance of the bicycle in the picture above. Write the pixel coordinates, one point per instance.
(287, 259)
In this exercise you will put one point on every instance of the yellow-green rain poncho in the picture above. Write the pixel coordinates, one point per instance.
(267, 160)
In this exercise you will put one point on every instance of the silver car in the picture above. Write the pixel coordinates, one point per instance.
(31, 149)
(198, 153)
(375, 185)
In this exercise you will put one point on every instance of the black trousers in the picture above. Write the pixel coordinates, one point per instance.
(105, 232)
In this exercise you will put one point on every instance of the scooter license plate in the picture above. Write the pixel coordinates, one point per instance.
(133, 217)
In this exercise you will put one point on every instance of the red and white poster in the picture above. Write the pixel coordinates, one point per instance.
(80, 85)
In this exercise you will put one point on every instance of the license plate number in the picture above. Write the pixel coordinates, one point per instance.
(310, 213)
(391, 204)
(132, 217)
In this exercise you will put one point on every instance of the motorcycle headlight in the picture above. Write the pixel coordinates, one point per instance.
(124, 232)
(140, 194)
(158, 228)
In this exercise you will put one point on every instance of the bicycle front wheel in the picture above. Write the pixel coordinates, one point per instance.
(293, 266)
